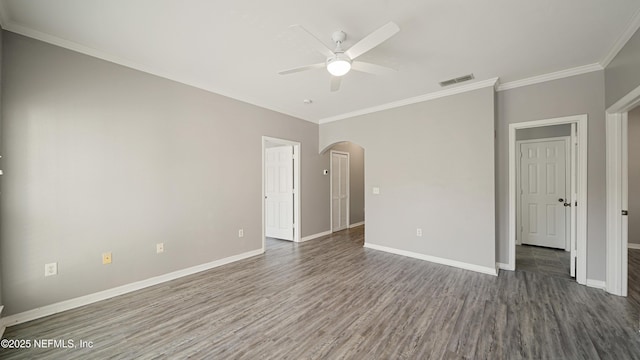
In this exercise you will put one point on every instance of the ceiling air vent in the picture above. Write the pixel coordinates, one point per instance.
(457, 80)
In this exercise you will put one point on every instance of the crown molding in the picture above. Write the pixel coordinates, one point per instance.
(634, 25)
(426, 97)
(551, 76)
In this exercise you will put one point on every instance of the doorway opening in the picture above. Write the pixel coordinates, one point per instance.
(280, 189)
(543, 187)
(551, 223)
(617, 192)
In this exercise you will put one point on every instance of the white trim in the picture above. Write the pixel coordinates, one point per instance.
(631, 29)
(550, 76)
(356, 224)
(617, 247)
(438, 260)
(296, 186)
(504, 266)
(315, 236)
(598, 284)
(120, 290)
(633, 246)
(413, 100)
(615, 253)
(582, 123)
(628, 102)
(331, 187)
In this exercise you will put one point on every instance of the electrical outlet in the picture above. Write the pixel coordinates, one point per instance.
(241, 233)
(376, 191)
(51, 269)
(418, 232)
(106, 258)
(159, 248)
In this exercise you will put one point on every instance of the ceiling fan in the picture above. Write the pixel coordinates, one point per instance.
(339, 62)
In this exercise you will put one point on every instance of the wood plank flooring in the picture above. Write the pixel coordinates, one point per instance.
(331, 298)
(541, 260)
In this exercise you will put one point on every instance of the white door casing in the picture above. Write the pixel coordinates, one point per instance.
(544, 193)
(573, 186)
(617, 192)
(581, 122)
(279, 192)
(339, 190)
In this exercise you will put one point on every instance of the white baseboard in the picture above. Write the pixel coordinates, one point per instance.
(356, 224)
(120, 290)
(315, 236)
(434, 259)
(633, 246)
(504, 266)
(598, 284)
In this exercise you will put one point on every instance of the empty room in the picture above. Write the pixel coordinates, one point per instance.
(319, 180)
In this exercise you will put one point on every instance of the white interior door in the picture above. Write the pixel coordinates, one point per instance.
(279, 192)
(544, 193)
(339, 191)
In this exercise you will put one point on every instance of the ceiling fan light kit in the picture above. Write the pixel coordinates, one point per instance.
(338, 65)
(339, 62)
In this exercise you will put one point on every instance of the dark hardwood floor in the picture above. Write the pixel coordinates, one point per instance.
(330, 298)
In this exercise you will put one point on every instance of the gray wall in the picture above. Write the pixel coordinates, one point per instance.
(99, 157)
(634, 175)
(356, 180)
(623, 73)
(434, 164)
(543, 132)
(582, 94)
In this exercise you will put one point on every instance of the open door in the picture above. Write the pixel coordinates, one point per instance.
(573, 224)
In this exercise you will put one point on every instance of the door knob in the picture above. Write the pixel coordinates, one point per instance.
(567, 204)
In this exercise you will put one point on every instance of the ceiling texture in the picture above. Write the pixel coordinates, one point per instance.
(235, 48)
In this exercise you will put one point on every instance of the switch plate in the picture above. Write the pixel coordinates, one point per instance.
(376, 190)
(159, 248)
(51, 269)
(418, 232)
(241, 233)
(106, 258)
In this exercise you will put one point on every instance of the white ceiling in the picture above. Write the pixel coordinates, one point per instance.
(235, 48)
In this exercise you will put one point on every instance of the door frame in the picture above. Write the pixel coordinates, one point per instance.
(567, 147)
(617, 188)
(331, 187)
(581, 122)
(296, 185)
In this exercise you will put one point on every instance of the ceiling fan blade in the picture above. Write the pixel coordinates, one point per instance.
(371, 68)
(320, 46)
(372, 40)
(302, 68)
(335, 83)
